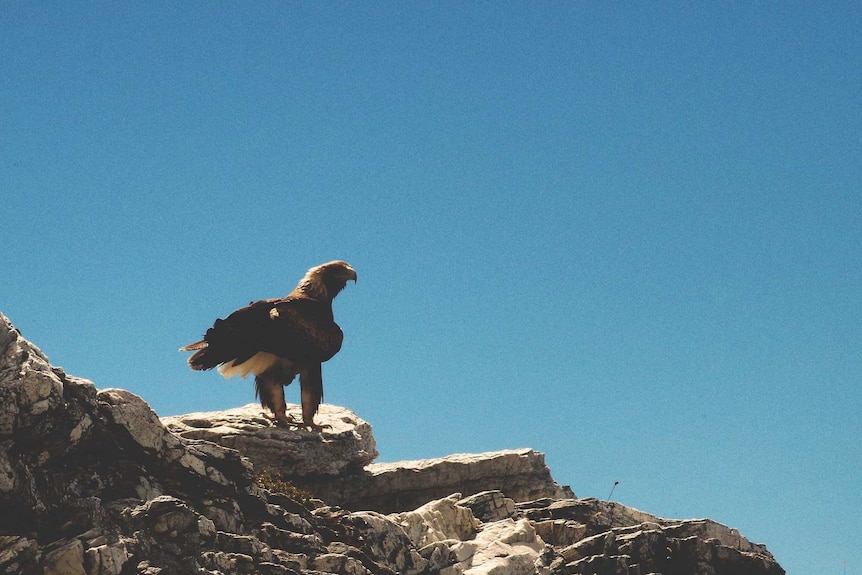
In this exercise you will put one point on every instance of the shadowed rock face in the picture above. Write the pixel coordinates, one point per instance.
(93, 482)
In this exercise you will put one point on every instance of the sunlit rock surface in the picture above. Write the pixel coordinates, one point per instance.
(93, 482)
(347, 444)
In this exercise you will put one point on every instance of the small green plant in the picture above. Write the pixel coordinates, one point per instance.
(275, 482)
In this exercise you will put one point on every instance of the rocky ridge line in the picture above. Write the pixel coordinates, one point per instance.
(93, 483)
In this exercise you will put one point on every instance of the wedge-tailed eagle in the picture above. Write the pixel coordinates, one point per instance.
(277, 339)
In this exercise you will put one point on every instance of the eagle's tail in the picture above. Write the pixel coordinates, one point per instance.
(194, 346)
(202, 358)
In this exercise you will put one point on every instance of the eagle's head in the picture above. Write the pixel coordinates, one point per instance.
(327, 280)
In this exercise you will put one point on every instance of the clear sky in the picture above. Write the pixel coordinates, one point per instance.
(625, 234)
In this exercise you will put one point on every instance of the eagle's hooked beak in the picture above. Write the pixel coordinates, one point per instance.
(351, 275)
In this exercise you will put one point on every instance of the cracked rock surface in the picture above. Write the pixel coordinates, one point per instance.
(92, 482)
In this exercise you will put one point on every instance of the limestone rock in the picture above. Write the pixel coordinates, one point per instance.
(505, 547)
(94, 483)
(390, 487)
(346, 445)
(67, 559)
(385, 537)
(456, 542)
(336, 464)
(439, 520)
(488, 506)
(615, 539)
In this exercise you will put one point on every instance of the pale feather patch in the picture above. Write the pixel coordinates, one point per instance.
(257, 364)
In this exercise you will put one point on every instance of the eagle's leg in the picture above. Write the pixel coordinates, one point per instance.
(271, 392)
(311, 389)
(308, 411)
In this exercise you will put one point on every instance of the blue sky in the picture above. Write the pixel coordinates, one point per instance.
(626, 235)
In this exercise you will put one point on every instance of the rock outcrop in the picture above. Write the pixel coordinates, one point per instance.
(345, 446)
(93, 483)
(336, 465)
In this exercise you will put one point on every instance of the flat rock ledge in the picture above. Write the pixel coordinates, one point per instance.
(336, 464)
(403, 485)
(346, 445)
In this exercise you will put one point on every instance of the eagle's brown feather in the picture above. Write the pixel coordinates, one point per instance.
(277, 339)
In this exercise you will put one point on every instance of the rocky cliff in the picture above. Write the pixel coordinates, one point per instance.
(92, 482)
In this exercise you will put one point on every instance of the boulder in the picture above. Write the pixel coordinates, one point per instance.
(505, 547)
(346, 445)
(456, 542)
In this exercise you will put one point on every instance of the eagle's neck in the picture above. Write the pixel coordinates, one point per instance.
(313, 286)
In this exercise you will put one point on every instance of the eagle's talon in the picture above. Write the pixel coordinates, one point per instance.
(290, 421)
(286, 421)
(278, 420)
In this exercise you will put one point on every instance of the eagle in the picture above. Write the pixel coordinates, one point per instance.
(278, 339)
